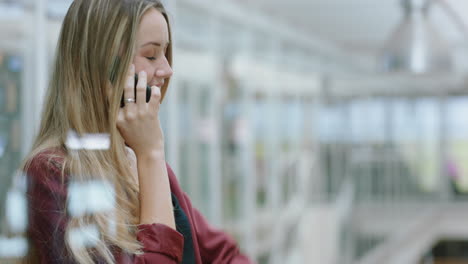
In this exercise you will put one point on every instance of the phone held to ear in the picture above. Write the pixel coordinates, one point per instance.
(148, 92)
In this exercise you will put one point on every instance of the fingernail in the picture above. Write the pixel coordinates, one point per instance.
(143, 74)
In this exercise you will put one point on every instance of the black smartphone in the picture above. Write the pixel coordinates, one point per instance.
(148, 92)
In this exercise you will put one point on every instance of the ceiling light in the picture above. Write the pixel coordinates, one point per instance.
(415, 46)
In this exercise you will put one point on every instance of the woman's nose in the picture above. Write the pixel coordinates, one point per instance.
(165, 71)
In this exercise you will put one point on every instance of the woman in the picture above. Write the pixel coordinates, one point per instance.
(102, 45)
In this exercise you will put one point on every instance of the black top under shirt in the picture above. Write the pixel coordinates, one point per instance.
(183, 227)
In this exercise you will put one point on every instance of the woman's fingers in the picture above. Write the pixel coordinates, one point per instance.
(141, 90)
(136, 95)
(129, 89)
(155, 98)
(138, 121)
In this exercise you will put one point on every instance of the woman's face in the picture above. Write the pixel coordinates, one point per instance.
(152, 42)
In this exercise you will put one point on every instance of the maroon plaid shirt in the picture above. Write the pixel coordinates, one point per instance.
(47, 194)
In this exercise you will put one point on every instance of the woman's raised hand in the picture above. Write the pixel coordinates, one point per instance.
(138, 121)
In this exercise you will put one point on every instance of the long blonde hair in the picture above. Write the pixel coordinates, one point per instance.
(97, 43)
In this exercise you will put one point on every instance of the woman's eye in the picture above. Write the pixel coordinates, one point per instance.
(151, 58)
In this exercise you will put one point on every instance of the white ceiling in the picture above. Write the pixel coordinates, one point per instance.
(358, 25)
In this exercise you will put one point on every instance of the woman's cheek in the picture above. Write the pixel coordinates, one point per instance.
(150, 71)
(139, 64)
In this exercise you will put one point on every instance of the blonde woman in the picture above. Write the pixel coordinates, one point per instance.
(102, 45)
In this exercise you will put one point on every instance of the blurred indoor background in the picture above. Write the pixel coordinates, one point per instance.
(313, 131)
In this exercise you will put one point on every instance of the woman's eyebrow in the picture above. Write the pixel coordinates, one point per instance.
(153, 43)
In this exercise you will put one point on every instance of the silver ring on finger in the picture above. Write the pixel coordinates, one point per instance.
(129, 100)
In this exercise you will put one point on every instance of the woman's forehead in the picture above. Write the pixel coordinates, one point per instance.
(153, 28)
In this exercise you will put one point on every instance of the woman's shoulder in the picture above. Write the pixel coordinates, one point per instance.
(46, 164)
(47, 157)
